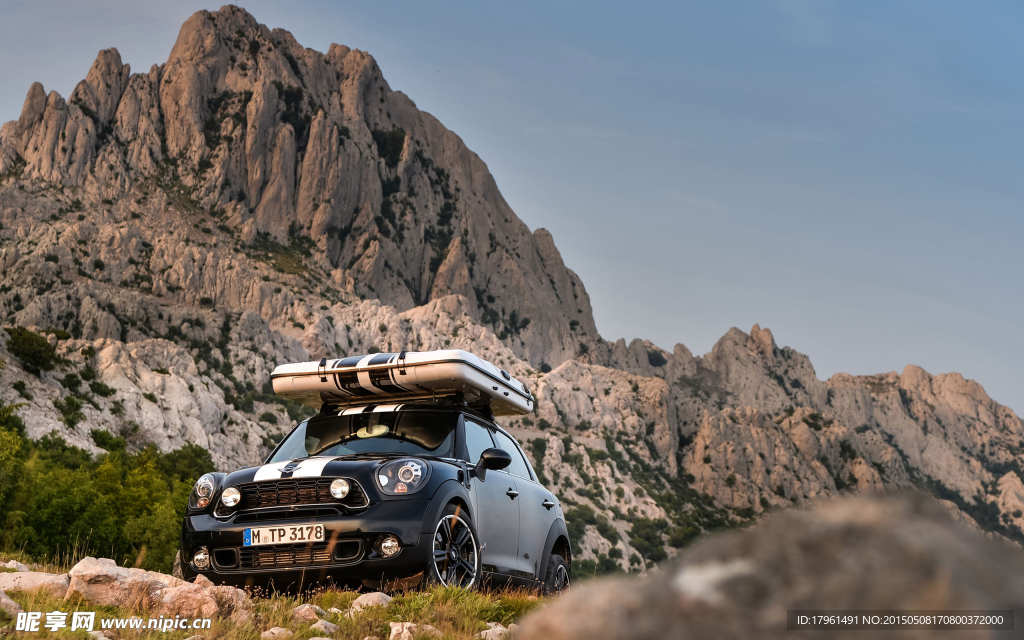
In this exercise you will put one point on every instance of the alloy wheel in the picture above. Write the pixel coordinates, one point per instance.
(561, 579)
(456, 558)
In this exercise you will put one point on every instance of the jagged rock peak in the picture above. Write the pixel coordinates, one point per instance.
(289, 147)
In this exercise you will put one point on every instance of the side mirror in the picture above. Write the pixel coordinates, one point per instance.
(491, 459)
(495, 459)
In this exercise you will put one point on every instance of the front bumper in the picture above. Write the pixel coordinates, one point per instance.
(347, 556)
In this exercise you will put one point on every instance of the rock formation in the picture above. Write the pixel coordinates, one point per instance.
(857, 554)
(176, 234)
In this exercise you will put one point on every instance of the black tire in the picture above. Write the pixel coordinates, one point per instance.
(176, 567)
(557, 581)
(455, 560)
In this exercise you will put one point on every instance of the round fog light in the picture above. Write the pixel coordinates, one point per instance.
(201, 560)
(230, 497)
(339, 488)
(389, 546)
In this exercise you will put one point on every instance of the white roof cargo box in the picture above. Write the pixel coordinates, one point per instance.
(407, 376)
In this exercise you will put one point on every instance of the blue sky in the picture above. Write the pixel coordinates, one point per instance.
(850, 175)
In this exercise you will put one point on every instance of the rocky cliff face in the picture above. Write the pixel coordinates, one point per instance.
(177, 234)
(245, 137)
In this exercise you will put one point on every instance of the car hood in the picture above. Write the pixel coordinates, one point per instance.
(312, 467)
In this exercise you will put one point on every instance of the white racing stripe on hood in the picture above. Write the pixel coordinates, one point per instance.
(270, 471)
(313, 467)
(309, 468)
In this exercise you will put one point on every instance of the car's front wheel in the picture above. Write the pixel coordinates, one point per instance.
(455, 561)
(557, 580)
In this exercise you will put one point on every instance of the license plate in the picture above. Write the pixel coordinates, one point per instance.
(283, 535)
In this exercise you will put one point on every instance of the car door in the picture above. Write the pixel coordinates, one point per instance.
(536, 508)
(497, 511)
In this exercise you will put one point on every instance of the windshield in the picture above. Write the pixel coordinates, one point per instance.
(413, 433)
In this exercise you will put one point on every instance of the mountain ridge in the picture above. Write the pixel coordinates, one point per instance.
(178, 233)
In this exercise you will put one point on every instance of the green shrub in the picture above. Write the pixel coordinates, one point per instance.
(645, 536)
(71, 382)
(98, 265)
(105, 440)
(70, 410)
(55, 497)
(268, 417)
(149, 396)
(101, 389)
(19, 386)
(32, 349)
(681, 535)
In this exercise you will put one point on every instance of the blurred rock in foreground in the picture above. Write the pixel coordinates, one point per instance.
(901, 552)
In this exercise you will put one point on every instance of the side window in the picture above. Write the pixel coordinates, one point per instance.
(477, 439)
(518, 466)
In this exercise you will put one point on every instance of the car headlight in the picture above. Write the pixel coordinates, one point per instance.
(202, 493)
(340, 488)
(403, 476)
(230, 497)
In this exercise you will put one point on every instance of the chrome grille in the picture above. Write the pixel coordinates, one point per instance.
(284, 555)
(298, 555)
(293, 491)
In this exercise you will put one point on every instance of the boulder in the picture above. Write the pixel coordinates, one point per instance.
(307, 613)
(326, 627)
(497, 631)
(375, 599)
(33, 581)
(9, 606)
(231, 600)
(898, 552)
(275, 633)
(17, 566)
(187, 599)
(411, 630)
(101, 581)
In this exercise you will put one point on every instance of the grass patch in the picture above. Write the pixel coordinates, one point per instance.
(454, 612)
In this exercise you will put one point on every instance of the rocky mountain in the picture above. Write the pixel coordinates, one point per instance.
(176, 234)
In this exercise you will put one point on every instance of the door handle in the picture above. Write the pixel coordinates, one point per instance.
(548, 504)
(512, 493)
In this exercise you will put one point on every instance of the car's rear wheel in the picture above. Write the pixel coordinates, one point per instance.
(557, 580)
(455, 561)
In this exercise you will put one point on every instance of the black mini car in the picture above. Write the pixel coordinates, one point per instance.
(383, 496)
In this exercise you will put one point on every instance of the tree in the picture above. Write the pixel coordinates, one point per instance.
(35, 353)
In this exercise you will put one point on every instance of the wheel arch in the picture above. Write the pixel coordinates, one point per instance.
(450, 491)
(557, 542)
